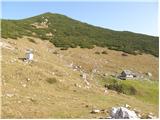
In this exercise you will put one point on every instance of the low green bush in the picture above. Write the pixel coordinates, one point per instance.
(146, 90)
(32, 40)
(64, 48)
(55, 52)
(97, 53)
(122, 88)
(104, 52)
(51, 80)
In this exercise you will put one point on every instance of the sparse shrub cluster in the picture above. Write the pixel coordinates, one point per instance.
(122, 88)
(32, 40)
(97, 53)
(124, 54)
(55, 52)
(104, 52)
(64, 48)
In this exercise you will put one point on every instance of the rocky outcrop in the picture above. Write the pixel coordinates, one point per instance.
(122, 113)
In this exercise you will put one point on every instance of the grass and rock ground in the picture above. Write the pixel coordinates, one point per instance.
(49, 88)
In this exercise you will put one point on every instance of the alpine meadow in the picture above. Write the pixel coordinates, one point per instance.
(53, 66)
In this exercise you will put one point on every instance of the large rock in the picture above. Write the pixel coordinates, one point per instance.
(122, 113)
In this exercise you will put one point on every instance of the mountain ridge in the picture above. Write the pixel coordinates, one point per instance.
(66, 32)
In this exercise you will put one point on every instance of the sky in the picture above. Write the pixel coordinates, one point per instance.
(135, 16)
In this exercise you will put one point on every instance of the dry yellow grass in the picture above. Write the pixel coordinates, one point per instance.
(113, 61)
(36, 98)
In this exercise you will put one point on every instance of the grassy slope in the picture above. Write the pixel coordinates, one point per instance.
(71, 33)
(146, 91)
(61, 99)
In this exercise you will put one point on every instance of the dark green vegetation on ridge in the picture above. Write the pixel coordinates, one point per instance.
(67, 32)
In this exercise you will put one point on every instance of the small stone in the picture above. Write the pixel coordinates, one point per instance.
(12, 61)
(95, 111)
(77, 85)
(9, 95)
(19, 101)
(106, 61)
(151, 117)
(94, 71)
(139, 115)
(150, 113)
(136, 111)
(24, 85)
(149, 74)
(14, 89)
(87, 83)
(28, 79)
(84, 76)
(127, 106)
(105, 74)
(35, 95)
(109, 117)
(105, 91)
(74, 69)
(87, 87)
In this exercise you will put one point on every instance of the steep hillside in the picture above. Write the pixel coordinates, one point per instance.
(65, 32)
(52, 86)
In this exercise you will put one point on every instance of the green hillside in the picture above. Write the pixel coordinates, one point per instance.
(65, 32)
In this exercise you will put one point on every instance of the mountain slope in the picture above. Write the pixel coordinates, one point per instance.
(52, 87)
(65, 32)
